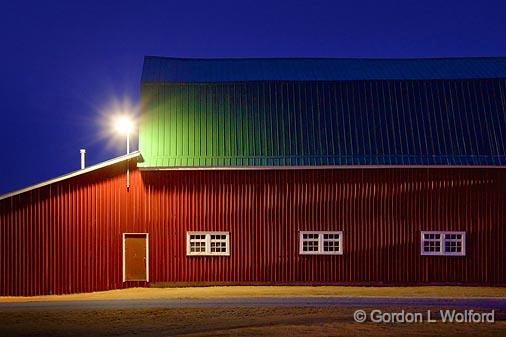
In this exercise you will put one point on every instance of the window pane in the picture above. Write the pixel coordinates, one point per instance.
(331, 246)
(431, 246)
(197, 246)
(453, 246)
(331, 242)
(310, 246)
(219, 243)
(218, 247)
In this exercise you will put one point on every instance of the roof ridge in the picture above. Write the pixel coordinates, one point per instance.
(198, 70)
(359, 58)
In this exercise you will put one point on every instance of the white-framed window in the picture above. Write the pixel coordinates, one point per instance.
(443, 243)
(207, 243)
(320, 243)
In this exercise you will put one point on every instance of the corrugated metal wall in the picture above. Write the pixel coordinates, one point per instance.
(447, 122)
(67, 237)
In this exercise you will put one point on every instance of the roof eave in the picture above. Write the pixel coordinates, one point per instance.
(72, 174)
(313, 167)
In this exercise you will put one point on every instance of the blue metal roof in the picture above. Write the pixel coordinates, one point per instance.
(165, 69)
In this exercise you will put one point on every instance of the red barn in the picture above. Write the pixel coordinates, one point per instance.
(281, 171)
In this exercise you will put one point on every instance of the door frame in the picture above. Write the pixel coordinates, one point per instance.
(147, 255)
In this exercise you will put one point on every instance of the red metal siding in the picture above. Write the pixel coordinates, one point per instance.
(67, 237)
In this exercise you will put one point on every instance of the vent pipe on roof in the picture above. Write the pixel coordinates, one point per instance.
(83, 158)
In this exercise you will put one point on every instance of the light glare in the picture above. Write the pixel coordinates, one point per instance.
(123, 125)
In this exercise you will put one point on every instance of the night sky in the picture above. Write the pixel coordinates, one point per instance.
(66, 66)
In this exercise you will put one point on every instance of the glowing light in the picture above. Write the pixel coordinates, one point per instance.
(123, 125)
(117, 120)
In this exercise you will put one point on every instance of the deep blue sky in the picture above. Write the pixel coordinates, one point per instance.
(63, 64)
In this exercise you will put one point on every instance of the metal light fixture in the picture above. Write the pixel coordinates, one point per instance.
(124, 125)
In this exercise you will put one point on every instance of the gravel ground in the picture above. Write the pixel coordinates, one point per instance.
(231, 321)
(239, 317)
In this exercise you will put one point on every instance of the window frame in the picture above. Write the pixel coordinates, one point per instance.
(320, 243)
(442, 241)
(208, 241)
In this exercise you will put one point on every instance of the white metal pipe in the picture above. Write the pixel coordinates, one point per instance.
(128, 162)
(128, 174)
(83, 158)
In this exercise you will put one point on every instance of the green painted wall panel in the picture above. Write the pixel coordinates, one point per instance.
(295, 123)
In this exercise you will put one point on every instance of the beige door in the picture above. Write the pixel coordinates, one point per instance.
(135, 257)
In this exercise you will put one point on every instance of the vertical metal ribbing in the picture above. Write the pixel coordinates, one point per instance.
(283, 123)
(67, 238)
